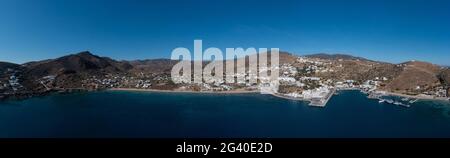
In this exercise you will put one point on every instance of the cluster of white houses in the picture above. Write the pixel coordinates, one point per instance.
(14, 83)
(11, 83)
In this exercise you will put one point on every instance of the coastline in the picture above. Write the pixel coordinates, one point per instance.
(242, 91)
(416, 96)
(387, 93)
(289, 98)
(220, 92)
(183, 91)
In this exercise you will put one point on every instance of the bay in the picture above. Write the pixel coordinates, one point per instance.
(121, 114)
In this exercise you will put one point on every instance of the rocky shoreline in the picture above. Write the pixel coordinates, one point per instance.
(26, 95)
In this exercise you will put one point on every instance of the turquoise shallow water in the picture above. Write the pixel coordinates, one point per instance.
(174, 115)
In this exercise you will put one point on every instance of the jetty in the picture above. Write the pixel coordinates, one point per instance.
(390, 101)
(314, 102)
(321, 102)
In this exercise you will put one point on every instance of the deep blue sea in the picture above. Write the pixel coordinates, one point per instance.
(113, 114)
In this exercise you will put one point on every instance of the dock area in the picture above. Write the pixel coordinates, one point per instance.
(322, 102)
(314, 102)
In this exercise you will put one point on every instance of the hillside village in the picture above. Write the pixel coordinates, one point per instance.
(314, 78)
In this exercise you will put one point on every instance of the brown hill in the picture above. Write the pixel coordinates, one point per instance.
(358, 69)
(423, 66)
(444, 76)
(415, 77)
(70, 70)
(336, 57)
(286, 57)
(5, 65)
(152, 65)
(83, 62)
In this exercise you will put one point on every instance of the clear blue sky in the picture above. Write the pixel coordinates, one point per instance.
(386, 30)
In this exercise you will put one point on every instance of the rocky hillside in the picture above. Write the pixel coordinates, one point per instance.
(416, 77)
(152, 65)
(70, 70)
(335, 57)
(4, 66)
(444, 76)
(83, 62)
(413, 77)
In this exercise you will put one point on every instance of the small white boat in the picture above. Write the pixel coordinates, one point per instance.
(401, 104)
(413, 101)
(405, 105)
(390, 101)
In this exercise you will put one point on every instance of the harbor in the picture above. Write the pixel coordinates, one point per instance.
(404, 102)
(322, 102)
(317, 101)
(390, 101)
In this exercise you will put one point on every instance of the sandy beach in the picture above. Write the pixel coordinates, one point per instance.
(238, 91)
(288, 97)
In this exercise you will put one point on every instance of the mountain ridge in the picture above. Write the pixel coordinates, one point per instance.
(315, 55)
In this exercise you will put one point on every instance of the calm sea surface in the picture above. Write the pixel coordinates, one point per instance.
(161, 115)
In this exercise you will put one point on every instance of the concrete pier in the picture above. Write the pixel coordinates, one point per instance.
(322, 102)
